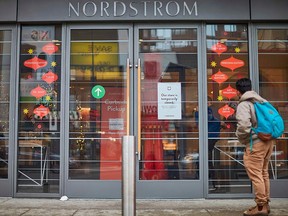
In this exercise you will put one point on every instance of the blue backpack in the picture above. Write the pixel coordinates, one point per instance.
(270, 124)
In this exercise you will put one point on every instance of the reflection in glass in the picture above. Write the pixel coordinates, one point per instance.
(170, 145)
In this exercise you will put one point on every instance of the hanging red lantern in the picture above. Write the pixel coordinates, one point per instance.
(38, 92)
(219, 48)
(35, 63)
(226, 111)
(50, 48)
(229, 92)
(49, 77)
(232, 63)
(219, 77)
(41, 111)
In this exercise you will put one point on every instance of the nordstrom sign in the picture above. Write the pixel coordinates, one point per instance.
(150, 9)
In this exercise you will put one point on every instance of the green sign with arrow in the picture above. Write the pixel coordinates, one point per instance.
(98, 91)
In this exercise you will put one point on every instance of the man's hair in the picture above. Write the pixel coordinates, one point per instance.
(243, 85)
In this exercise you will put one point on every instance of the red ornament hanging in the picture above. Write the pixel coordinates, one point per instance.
(38, 92)
(232, 63)
(219, 48)
(229, 92)
(219, 77)
(226, 111)
(49, 77)
(50, 48)
(41, 111)
(35, 63)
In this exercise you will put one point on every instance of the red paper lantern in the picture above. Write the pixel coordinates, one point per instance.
(219, 48)
(35, 63)
(226, 111)
(38, 92)
(49, 77)
(219, 77)
(41, 111)
(229, 92)
(232, 63)
(50, 48)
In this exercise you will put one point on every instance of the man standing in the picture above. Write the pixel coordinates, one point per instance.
(256, 161)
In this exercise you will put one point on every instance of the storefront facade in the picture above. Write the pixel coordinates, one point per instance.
(77, 76)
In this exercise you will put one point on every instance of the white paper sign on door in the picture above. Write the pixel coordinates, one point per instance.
(169, 100)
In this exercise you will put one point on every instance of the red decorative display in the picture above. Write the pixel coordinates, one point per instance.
(49, 77)
(38, 92)
(226, 111)
(229, 92)
(50, 48)
(35, 63)
(232, 63)
(41, 111)
(219, 77)
(219, 48)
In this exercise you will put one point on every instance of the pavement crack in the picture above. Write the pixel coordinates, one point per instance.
(74, 213)
(25, 212)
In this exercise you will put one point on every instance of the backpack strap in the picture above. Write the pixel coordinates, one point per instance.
(251, 142)
(252, 128)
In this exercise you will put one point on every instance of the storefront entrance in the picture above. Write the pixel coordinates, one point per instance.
(140, 81)
(75, 90)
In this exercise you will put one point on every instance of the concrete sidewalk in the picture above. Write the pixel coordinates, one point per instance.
(89, 207)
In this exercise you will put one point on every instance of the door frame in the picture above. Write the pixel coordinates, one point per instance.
(7, 185)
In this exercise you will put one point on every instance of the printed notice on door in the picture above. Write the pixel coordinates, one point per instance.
(169, 101)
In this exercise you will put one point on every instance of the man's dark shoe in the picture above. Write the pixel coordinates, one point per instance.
(257, 211)
(268, 207)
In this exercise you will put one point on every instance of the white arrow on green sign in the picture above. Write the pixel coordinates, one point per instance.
(98, 91)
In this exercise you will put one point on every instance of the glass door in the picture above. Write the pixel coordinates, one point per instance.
(98, 109)
(141, 81)
(170, 160)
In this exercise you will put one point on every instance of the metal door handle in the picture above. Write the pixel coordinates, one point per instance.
(138, 66)
(128, 66)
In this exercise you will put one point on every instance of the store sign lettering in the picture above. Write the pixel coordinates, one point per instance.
(133, 9)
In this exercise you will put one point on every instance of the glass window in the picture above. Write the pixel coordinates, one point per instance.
(227, 61)
(39, 109)
(5, 68)
(273, 85)
(169, 130)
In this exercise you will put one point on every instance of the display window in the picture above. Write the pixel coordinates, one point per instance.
(273, 83)
(5, 68)
(38, 146)
(227, 61)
